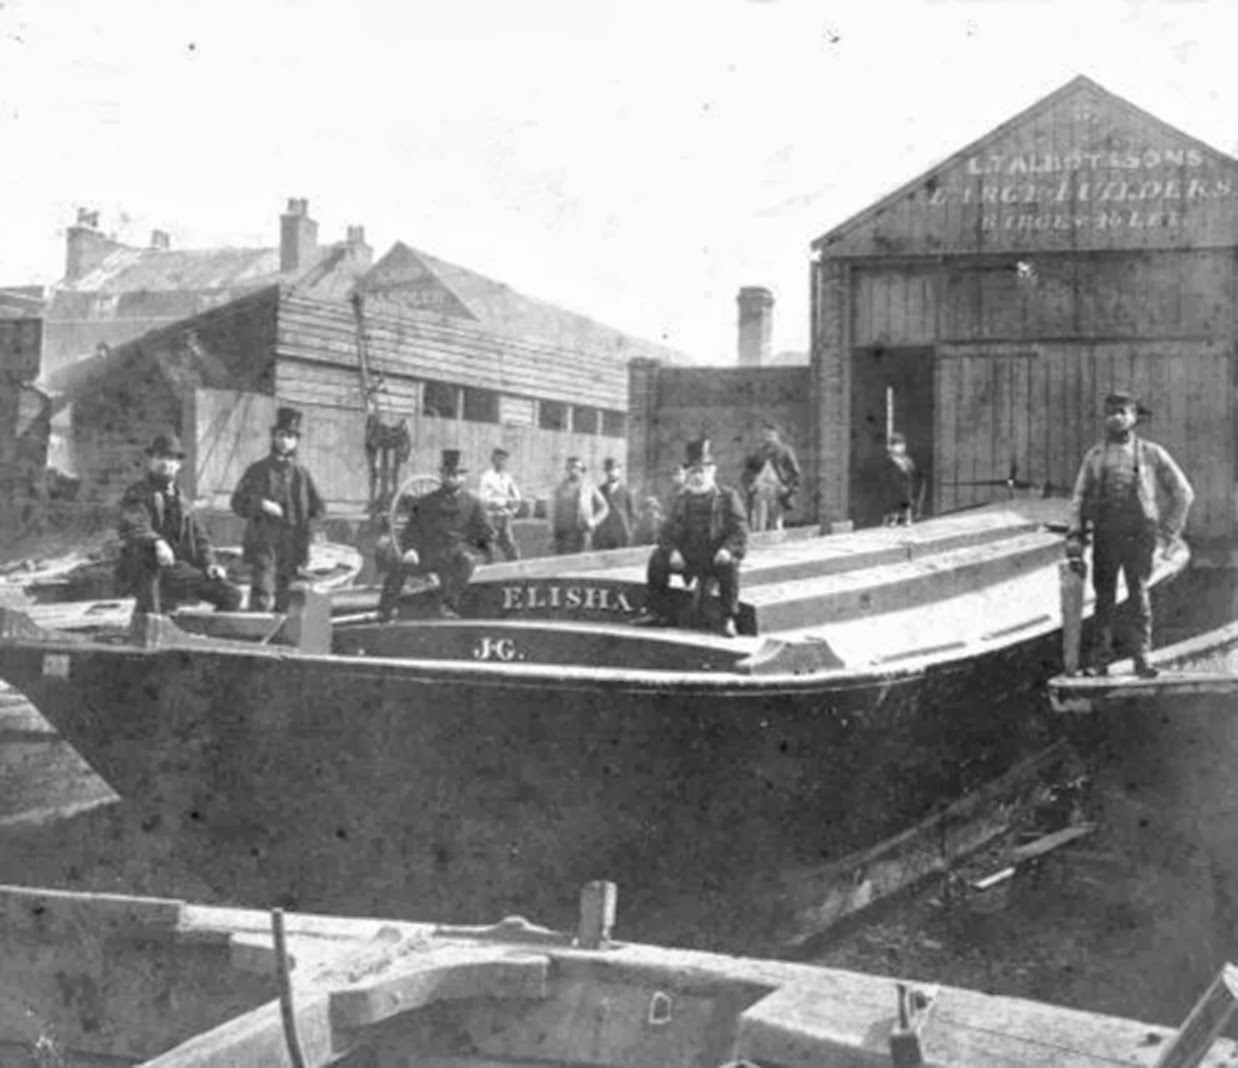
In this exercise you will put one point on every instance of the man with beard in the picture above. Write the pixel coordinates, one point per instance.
(446, 530)
(278, 500)
(704, 538)
(771, 480)
(615, 531)
(166, 558)
(1123, 483)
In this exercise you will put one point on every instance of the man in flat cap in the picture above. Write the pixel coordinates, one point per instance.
(446, 528)
(615, 531)
(500, 496)
(771, 480)
(577, 508)
(705, 538)
(278, 500)
(1129, 491)
(166, 558)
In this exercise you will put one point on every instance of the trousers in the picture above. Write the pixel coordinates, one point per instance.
(273, 569)
(1129, 549)
(658, 580)
(164, 589)
(454, 568)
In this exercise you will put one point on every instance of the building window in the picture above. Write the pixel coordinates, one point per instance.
(552, 415)
(481, 405)
(517, 411)
(440, 399)
(585, 420)
(614, 424)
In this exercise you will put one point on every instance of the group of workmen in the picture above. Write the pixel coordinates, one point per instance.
(1128, 496)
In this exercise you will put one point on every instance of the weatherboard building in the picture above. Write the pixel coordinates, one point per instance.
(985, 307)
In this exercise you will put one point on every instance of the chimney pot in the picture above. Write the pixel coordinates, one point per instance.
(160, 239)
(356, 235)
(298, 236)
(756, 325)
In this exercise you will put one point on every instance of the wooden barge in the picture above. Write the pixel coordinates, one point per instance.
(92, 980)
(466, 765)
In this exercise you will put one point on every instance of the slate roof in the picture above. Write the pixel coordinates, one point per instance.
(135, 269)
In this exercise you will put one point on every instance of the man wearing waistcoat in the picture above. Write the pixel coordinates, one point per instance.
(704, 538)
(278, 500)
(166, 558)
(1130, 492)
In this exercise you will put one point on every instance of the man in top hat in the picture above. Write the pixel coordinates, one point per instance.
(615, 531)
(705, 538)
(278, 500)
(500, 496)
(577, 508)
(166, 557)
(771, 480)
(445, 528)
(1129, 491)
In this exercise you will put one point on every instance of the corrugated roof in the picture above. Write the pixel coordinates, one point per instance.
(500, 307)
(133, 269)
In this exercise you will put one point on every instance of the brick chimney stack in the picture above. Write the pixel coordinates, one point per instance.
(161, 240)
(756, 325)
(298, 236)
(85, 246)
(358, 250)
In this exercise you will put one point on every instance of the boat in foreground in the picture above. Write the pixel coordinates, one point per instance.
(93, 979)
(460, 762)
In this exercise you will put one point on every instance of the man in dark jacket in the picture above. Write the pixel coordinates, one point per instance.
(445, 529)
(278, 500)
(771, 480)
(615, 531)
(704, 538)
(166, 557)
(1131, 493)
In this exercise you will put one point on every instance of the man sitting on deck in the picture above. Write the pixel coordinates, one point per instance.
(166, 558)
(704, 538)
(444, 529)
(1117, 492)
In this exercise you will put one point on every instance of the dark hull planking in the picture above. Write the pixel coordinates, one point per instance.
(449, 792)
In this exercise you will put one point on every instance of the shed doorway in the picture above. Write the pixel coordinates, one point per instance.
(891, 392)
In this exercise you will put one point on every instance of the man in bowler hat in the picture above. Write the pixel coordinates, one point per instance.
(445, 530)
(278, 500)
(166, 558)
(705, 538)
(1129, 492)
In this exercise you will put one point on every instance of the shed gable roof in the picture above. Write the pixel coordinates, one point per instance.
(1080, 168)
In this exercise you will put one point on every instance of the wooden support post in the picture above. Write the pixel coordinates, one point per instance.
(1212, 1012)
(597, 915)
(1070, 584)
(284, 981)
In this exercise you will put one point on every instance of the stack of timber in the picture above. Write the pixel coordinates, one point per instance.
(164, 983)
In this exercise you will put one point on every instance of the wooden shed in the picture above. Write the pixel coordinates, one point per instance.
(984, 309)
(463, 361)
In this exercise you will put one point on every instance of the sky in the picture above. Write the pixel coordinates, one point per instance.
(636, 161)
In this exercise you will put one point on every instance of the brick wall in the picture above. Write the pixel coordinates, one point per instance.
(669, 406)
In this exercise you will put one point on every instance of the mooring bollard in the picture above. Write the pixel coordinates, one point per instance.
(597, 914)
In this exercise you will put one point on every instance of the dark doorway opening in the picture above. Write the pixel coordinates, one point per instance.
(891, 390)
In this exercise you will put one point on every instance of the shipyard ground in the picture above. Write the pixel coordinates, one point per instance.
(1133, 920)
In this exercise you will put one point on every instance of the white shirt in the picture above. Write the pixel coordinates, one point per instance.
(497, 490)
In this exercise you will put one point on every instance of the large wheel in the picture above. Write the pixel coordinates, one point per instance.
(387, 553)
